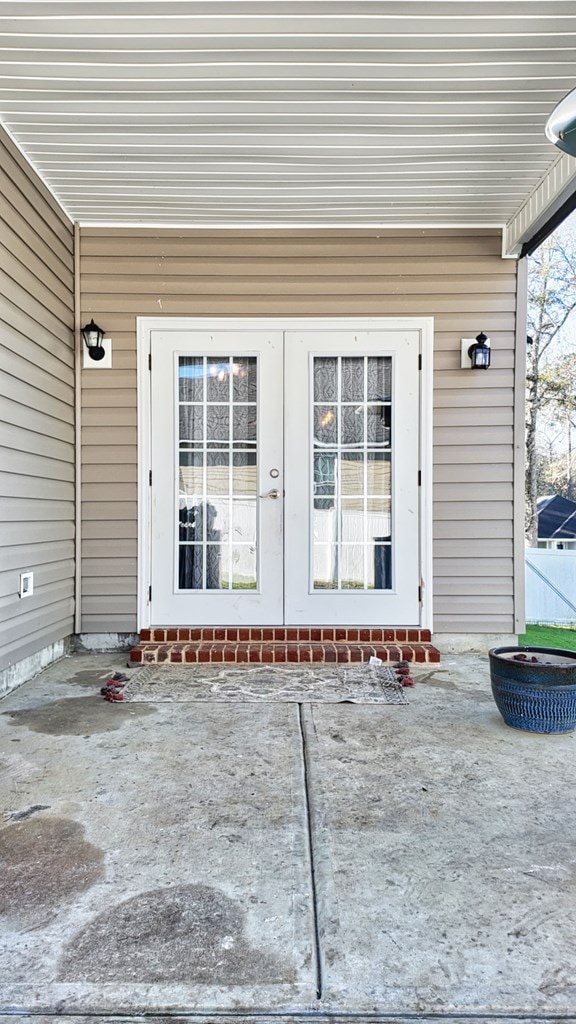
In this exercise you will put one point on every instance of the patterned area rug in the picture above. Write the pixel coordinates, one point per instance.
(313, 684)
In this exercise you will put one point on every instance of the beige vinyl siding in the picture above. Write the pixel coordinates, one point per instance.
(36, 411)
(456, 276)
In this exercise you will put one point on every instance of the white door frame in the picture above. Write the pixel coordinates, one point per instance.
(425, 325)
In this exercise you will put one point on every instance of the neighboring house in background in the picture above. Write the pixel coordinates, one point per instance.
(290, 261)
(556, 523)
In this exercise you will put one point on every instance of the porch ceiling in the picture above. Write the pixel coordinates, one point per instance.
(288, 113)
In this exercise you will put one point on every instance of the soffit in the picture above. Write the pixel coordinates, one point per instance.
(300, 113)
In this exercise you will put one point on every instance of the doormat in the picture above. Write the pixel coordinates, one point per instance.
(285, 684)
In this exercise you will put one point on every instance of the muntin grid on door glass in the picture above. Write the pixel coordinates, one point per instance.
(352, 473)
(218, 472)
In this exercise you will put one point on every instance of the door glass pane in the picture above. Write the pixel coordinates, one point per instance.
(217, 529)
(326, 379)
(351, 518)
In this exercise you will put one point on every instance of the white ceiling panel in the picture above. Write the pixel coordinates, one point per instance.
(376, 112)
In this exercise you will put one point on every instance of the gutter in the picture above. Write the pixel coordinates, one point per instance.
(77, 439)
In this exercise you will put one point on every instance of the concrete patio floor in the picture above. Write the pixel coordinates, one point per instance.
(284, 862)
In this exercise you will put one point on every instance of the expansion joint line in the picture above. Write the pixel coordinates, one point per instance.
(313, 887)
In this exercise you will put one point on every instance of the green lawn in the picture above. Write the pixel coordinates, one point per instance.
(549, 636)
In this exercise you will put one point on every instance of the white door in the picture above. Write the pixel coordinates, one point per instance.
(352, 477)
(216, 456)
(285, 474)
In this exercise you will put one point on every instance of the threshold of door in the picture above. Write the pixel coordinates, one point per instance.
(282, 644)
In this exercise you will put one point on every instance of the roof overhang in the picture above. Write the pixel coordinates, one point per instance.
(294, 113)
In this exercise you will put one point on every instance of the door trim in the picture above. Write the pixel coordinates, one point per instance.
(144, 327)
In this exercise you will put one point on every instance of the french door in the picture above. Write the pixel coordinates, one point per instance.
(284, 472)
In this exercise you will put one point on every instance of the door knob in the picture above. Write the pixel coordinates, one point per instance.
(274, 493)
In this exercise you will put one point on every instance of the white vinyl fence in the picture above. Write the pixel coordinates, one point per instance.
(551, 586)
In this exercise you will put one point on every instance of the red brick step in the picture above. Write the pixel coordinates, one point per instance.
(282, 644)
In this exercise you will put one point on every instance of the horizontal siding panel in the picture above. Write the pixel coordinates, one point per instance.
(481, 605)
(462, 381)
(457, 277)
(109, 547)
(28, 397)
(57, 518)
(472, 528)
(43, 597)
(60, 241)
(301, 278)
(18, 439)
(105, 584)
(116, 415)
(30, 554)
(472, 565)
(323, 306)
(474, 586)
(473, 624)
(108, 454)
(119, 400)
(114, 492)
(99, 567)
(101, 529)
(477, 435)
(40, 488)
(53, 358)
(30, 622)
(105, 473)
(109, 623)
(474, 398)
(343, 303)
(459, 473)
(56, 277)
(34, 192)
(56, 339)
(50, 301)
(49, 573)
(465, 491)
(278, 244)
(92, 381)
(119, 604)
(26, 292)
(32, 465)
(94, 511)
(15, 365)
(19, 647)
(490, 547)
(92, 435)
(464, 416)
(55, 256)
(463, 510)
(445, 455)
(32, 230)
(12, 253)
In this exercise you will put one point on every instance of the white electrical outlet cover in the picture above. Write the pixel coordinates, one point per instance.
(26, 584)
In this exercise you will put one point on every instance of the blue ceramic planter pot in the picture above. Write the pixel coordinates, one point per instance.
(537, 696)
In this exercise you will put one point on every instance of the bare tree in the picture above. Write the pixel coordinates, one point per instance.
(551, 300)
(558, 381)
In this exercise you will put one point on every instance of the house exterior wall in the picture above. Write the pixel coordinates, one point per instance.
(456, 276)
(36, 412)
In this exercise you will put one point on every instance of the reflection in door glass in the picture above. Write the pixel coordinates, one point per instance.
(352, 473)
(217, 472)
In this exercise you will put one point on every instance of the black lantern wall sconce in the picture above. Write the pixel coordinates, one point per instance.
(98, 349)
(475, 353)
